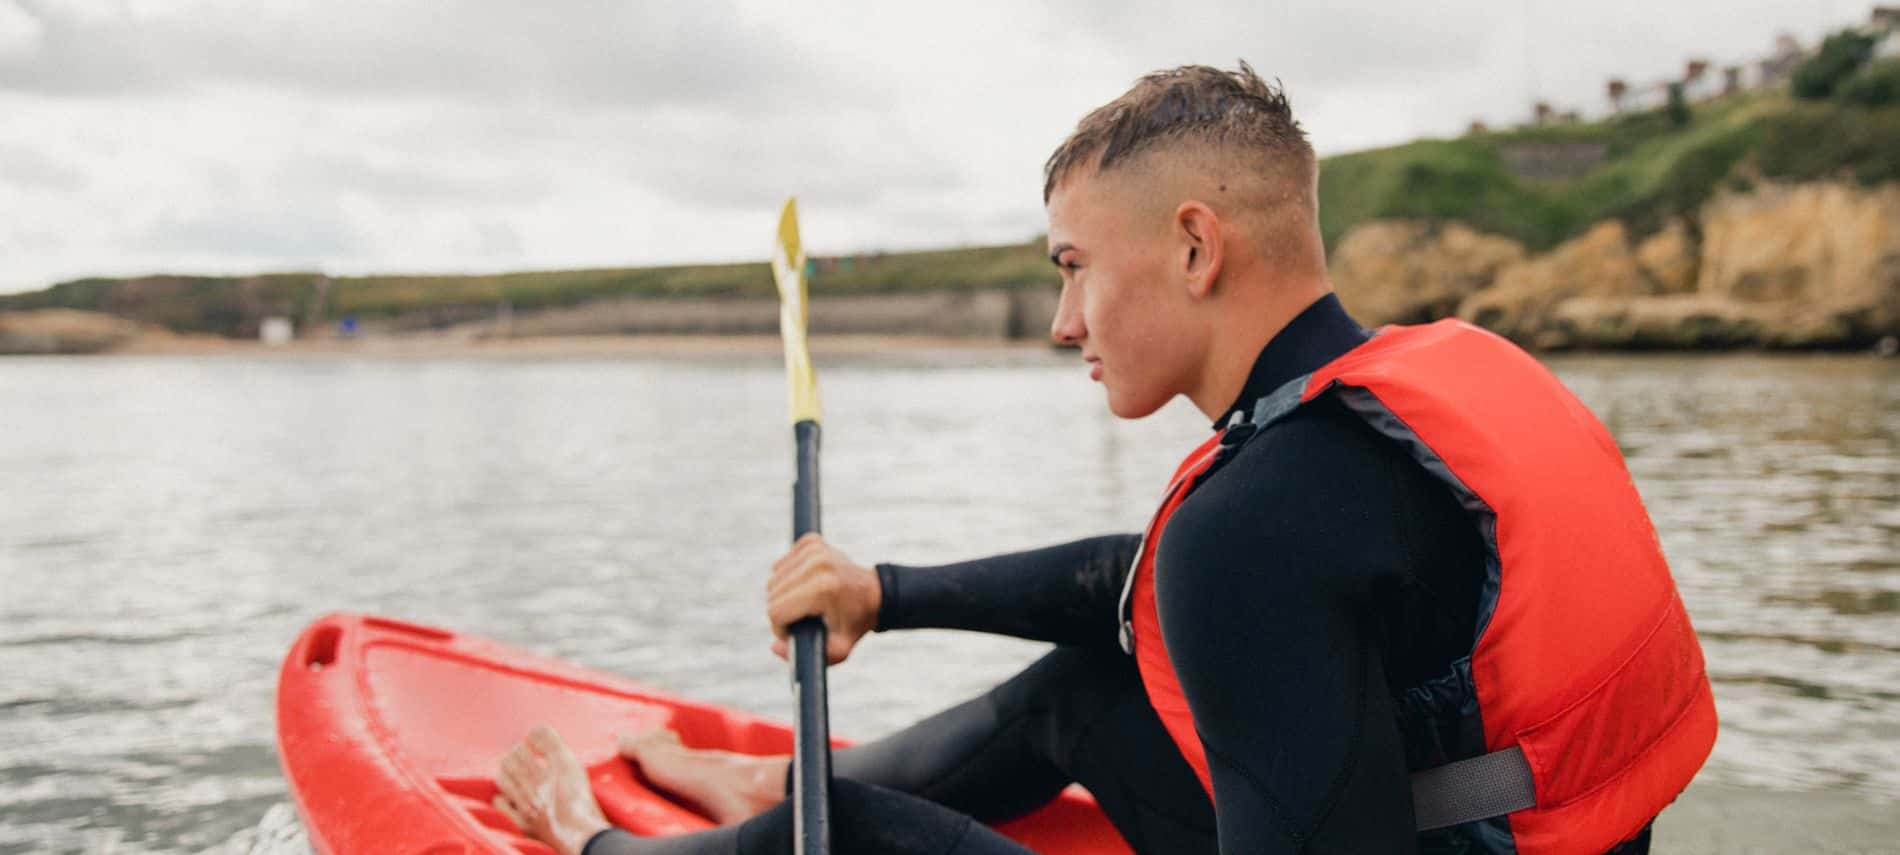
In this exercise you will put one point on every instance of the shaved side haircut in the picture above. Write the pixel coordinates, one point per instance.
(1230, 127)
(1194, 106)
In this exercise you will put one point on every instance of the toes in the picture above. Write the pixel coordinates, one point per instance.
(520, 754)
(554, 748)
(629, 744)
(517, 779)
(507, 784)
(545, 741)
(507, 809)
(634, 744)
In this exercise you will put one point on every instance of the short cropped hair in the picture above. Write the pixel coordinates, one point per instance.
(1232, 112)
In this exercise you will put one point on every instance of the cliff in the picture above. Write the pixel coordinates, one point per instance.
(1807, 265)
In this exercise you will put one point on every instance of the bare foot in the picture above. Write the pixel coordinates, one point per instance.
(544, 789)
(727, 786)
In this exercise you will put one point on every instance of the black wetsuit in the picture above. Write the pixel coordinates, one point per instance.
(1315, 589)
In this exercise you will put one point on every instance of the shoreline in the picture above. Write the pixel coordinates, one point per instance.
(427, 346)
(444, 346)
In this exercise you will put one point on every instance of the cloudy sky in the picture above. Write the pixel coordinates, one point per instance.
(139, 136)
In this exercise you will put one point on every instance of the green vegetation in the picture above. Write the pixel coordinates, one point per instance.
(1652, 171)
(1678, 107)
(938, 270)
(1841, 55)
(233, 306)
(1877, 85)
(1816, 140)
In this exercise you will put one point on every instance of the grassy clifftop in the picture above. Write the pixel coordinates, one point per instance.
(1654, 167)
(232, 305)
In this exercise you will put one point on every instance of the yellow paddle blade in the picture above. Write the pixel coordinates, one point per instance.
(788, 267)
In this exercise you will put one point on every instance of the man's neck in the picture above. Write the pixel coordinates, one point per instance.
(1240, 334)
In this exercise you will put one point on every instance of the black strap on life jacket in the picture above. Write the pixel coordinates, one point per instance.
(1481, 787)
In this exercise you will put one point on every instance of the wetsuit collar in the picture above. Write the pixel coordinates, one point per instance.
(1316, 336)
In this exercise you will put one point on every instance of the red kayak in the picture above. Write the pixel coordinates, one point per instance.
(390, 733)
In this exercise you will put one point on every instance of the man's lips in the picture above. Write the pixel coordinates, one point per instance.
(1095, 367)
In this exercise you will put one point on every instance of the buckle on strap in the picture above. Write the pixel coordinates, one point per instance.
(1275, 405)
(1481, 787)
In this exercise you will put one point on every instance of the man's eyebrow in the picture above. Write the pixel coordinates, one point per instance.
(1055, 252)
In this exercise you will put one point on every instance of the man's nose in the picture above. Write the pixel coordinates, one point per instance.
(1067, 329)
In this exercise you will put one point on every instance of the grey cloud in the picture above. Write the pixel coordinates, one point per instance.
(621, 54)
(278, 234)
(738, 164)
(332, 173)
(18, 31)
(495, 239)
(28, 168)
(1319, 42)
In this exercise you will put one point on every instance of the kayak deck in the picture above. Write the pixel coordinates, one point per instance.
(390, 732)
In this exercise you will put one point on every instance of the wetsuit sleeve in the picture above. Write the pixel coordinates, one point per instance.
(1067, 594)
(1268, 593)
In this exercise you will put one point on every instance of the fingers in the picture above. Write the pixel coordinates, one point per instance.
(811, 542)
(802, 598)
(814, 579)
(837, 648)
(800, 563)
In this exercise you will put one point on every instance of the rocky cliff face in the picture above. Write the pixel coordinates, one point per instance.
(1404, 271)
(1802, 265)
(1823, 258)
(1518, 304)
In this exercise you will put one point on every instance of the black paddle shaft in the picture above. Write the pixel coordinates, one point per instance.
(811, 759)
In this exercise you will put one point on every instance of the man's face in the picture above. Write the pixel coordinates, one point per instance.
(1118, 304)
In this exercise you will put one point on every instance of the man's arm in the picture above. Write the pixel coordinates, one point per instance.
(1067, 594)
(1272, 593)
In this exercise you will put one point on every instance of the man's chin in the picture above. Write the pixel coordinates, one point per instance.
(1131, 407)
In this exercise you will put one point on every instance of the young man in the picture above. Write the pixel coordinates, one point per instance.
(1402, 553)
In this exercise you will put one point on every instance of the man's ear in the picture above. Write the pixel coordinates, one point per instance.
(1201, 250)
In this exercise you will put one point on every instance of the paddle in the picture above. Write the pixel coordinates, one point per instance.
(811, 723)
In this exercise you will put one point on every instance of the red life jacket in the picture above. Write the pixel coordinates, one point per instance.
(1585, 660)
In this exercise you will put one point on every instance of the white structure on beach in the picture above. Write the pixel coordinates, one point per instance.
(275, 331)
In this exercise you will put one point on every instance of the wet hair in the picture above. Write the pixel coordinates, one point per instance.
(1230, 114)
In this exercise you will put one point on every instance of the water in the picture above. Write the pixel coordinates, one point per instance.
(167, 525)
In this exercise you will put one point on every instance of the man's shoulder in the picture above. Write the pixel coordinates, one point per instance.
(1320, 459)
(1321, 436)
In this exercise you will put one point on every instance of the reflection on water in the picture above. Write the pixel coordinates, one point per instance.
(168, 525)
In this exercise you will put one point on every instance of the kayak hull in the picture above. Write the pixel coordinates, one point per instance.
(389, 733)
